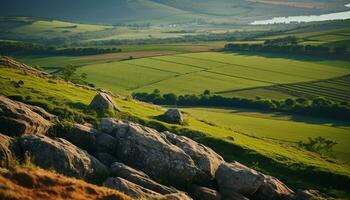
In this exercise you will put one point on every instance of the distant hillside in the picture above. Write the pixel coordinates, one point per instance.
(165, 11)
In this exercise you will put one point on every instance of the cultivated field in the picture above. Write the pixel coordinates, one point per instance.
(219, 72)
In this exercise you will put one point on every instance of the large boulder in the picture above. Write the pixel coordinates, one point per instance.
(106, 143)
(123, 171)
(131, 189)
(203, 193)
(82, 136)
(62, 156)
(147, 149)
(235, 177)
(205, 158)
(105, 158)
(273, 189)
(19, 119)
(9, 149)
(103, 101)
(173, 115)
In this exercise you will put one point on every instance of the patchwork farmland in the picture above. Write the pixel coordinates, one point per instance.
(221, 73)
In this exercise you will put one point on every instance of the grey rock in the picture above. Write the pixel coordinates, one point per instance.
(103, 101)
(18, 119)
(123, 171)
(203, 193)
(147, 149)
(311, 195)
(131, 189)
(205, 158)
(174, 115)
(62, 156)
(235, 177)
(106, 143)
(106, 158)
(82, 136)
(273, 189)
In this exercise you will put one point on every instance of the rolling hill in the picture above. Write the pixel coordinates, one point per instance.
(165, 11)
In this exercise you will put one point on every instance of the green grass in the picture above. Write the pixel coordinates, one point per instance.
(293, 165)
(278, 127)
(336, 89)
(218, 72)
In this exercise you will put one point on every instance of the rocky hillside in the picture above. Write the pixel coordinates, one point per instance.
(122, 154)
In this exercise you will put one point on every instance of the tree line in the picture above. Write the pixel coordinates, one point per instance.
(318, 107)
(22, 48)
(290, 45)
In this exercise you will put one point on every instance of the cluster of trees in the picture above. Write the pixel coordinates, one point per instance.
(319, 107)
(318, 145)
(289, 45)
(21, 48)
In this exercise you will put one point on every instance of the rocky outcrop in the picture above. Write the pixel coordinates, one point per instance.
(147, 149)
(174, 115)
(82, 136)
(235, 177)
(205, 158)
(62, 156)
(106, 143)
(123, 171)
(18, 119)
(102, 102)
(105, 158)
(311, 195)
(9, 149)
(130, 189)
(273, 189)
(203, 193)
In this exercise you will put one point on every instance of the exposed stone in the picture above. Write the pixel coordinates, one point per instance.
(9, 149)
(62, 156)
(235, 177)
(106, 158)
(174, 115)
(18, 119)
(82, 136)
(234, 196)
(273, 189)
(131, 189)
(176, 196)
(123, 171)
(106, 143)
(103, 101)
(147, 149)
(205, 158)
(311, 195)
(203, 193)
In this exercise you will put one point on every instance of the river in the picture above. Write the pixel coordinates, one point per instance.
(310, 18)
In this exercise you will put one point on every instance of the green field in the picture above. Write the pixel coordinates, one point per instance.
(278, 127)
(218, 72)
(336, 89)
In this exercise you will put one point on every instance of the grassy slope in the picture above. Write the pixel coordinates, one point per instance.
(215, 71)
(24, 183)
(295, 166)
(279, 127)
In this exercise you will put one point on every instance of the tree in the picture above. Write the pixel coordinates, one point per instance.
(206, 92)
(68, 72)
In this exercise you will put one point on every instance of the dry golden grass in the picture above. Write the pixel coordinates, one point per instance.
(23, 183)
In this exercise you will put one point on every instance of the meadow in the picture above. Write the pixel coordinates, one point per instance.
(221, 73)
(278, 127)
